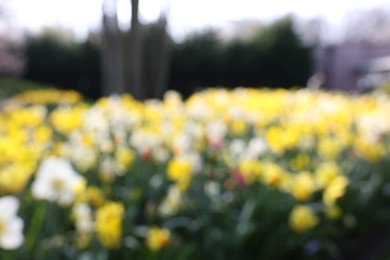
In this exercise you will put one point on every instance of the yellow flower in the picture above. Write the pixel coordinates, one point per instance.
(48, 96)
(274, 140)
(333, 212)
(87, 140)
(329, 147)
(109, 224)
(303, 186)
(31, 116)
(157, 238)
(67, 119)
(281, 138)
(124, 157)
(13, 178)
(238, 127)
(291, 136)
(300, 162)
(79, 188)
(371, 151)
(250, 169)
(302, 218)
(18, 134)
(95, 196)
(180, 170)
(326, 172)
(335, 190)
(43, 134)
(274, 175)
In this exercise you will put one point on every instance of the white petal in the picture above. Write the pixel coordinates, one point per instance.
(15, 225)
(55, 169)
(8, 206)
(51, 166)
(65, 198)
(13, 236)
(41, 189)
(11, 240)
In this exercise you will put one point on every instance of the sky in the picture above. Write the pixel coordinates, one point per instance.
(184, 15)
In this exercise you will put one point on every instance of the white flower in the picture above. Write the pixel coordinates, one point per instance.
(194, 158)
(212, 188)
(11, 226)
(256, 147)
(95, 121)
(172, 202)
(107, 168)
(56, 181)
(83, 217)
(373, 125)
(160, 154)
(144, 141)
(237, 147)
(83, 158)
(216, 130)
(193, 129)
(181, 144)
(198, 110)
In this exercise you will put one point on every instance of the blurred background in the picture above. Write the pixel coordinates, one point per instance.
(101, 47)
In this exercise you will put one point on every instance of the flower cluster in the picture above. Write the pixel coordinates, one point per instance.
(229, 169)
(49, 96)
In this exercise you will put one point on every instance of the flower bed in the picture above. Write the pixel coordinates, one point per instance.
(224, 175)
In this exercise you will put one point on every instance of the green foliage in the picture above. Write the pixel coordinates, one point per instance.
(54, 58)
(284, 60)
(274, 57)
(196, 62)
(10, 86)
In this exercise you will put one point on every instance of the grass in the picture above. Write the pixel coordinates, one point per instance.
(12, 86)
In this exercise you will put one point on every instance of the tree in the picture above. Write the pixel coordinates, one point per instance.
(133, 56)
(12, 60)
(196, 62)
(313, 32)
(111, 50)
(274, 57)
(157, 46)
(283, 58)
(53, 57)
(123, 62)
(367, 26)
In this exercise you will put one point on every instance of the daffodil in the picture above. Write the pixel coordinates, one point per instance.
(157, 238)
(180, 171)
(250, 169)
(274, 175)
(11, 226)
(83, 218)
(303, 186)
(335, 190)
(326, 172)
(302, 218)
(172, 203)
(56, 181)
(124, 158)
(109, 224)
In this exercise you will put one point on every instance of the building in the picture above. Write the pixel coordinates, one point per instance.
(351, 66)
(373, 73)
